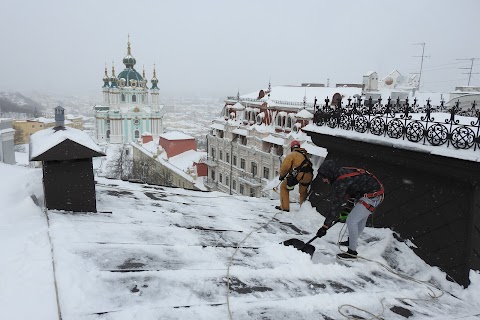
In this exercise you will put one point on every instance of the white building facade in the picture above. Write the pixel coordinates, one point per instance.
(129, 107)
(247, 144)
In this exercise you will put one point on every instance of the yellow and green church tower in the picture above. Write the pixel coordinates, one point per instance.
(130, 108)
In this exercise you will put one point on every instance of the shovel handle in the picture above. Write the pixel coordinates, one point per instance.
(311, 240)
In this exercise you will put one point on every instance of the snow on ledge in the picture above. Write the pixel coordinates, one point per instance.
(451, 152)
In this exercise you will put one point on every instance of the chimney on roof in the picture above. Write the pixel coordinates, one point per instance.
(59, 117)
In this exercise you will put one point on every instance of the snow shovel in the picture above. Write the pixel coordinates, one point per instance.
(300, 245)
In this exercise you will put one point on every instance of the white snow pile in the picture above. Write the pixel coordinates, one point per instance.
(167, 253)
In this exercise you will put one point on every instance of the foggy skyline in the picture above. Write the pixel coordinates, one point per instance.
(214, 48)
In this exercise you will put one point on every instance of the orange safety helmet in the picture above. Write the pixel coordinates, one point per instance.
(295, 144)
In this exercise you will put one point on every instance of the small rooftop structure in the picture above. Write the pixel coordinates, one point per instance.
(66, 155)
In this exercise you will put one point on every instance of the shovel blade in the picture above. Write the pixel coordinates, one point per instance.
(300, 245)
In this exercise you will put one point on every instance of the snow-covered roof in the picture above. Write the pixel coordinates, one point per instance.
(315, 150)
(242, 132)
(237, 106)
(43, 140)
(167, 253)
(274, 140)
(298, 93)
(186, 159)
(217, 126)
(304, 114)
(176, 135)
(369, 73)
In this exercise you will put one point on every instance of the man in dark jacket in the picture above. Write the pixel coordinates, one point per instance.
(350, 183)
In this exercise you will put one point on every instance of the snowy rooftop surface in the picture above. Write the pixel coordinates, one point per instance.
(166, 253)
(304, 114)
(314, 150)
(186, 159)
(176, 135)
(46, 139)
(275, 140)
(5, 119)
(179, 166)
(297, 94)
(242, 132)
(217, 126)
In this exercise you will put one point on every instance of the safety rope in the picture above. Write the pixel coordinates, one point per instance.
(399, 274)
(59, 312)
(233, 255)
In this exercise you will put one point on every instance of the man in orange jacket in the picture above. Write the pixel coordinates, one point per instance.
(296, 169)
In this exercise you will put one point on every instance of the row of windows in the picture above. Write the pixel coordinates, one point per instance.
(253, 165)
(136, 134)
(134, 98)
(234, 184)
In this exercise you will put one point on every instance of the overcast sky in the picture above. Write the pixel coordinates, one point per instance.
(214, 48)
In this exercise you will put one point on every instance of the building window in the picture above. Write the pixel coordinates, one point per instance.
(227, 157)
(123, 97)
(108, 134)
(137, 134)
(242, 189)
(234, 185)
(213, 153)
(266, 172)
(134, 98)
(221, 155)
(253, 169)
(220, 178)
(235, 160)
(213, 175)
(33, 126)
(227, 181)
(242, 163)
(136, 122)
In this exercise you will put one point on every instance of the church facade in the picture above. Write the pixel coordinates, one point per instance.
(130, 108)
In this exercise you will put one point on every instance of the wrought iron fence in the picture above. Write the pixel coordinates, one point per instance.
(402, 120)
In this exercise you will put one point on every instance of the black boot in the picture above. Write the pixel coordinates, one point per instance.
(349, 255)
(280, 208)
(344, 243)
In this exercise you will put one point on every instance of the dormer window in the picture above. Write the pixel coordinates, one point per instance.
(290, 121)
(122, 82)
(133, 83)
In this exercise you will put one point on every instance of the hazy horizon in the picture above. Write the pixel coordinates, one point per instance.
(214, 49)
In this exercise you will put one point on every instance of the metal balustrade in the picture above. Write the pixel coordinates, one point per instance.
(402, 120)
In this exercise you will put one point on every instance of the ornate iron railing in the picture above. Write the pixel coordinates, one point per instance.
(402, 120)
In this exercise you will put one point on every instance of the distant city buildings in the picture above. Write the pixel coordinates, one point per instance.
(129, 107)
(25, 128)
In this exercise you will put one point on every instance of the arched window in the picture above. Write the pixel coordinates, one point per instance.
(134, 98)
(137, 134)
(108, 134)
(123, 97)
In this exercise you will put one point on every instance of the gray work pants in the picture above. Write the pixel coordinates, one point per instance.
(357, 220)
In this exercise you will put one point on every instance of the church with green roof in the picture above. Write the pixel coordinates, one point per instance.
(130, 108)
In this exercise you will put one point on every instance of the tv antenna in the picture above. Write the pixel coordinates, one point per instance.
(423, 56)
(471, 68)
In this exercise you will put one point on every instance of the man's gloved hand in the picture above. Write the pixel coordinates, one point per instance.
(322, 231)
(281, 178)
